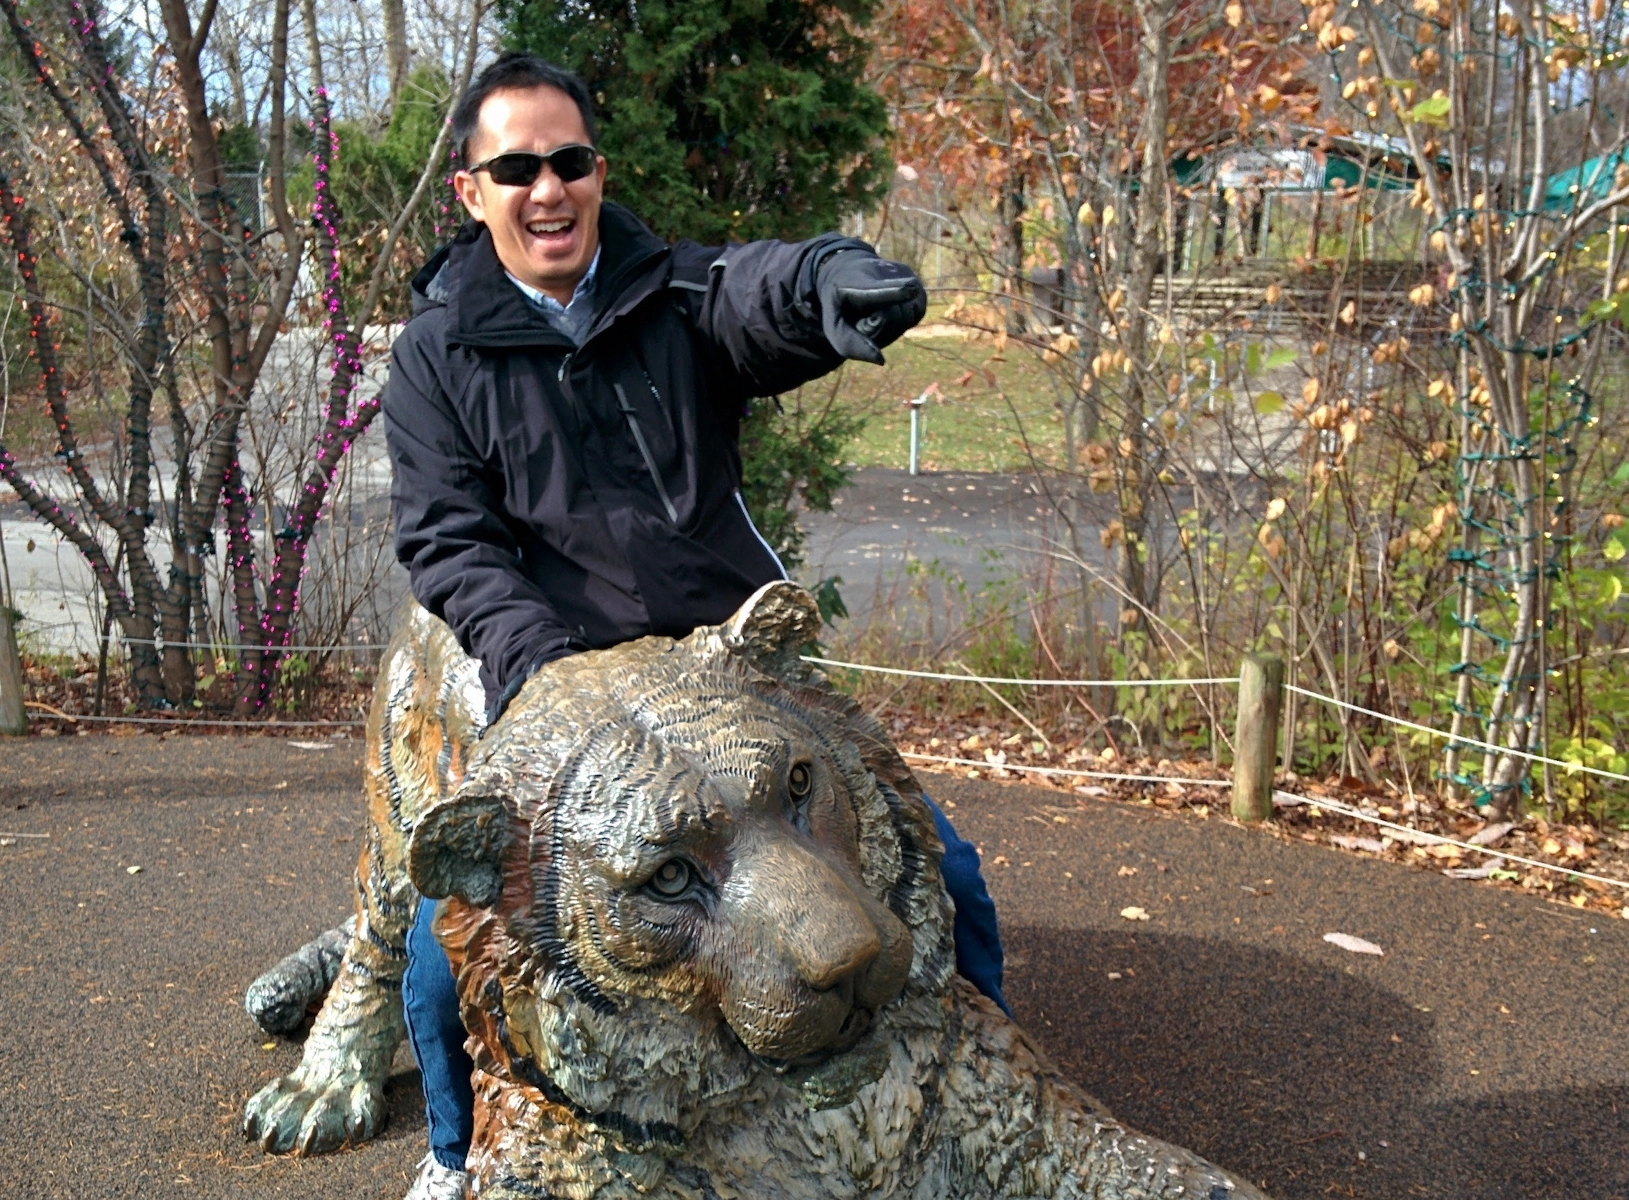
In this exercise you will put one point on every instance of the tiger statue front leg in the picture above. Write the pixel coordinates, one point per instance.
(428, 710)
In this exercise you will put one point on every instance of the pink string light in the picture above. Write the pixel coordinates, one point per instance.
(273, 631)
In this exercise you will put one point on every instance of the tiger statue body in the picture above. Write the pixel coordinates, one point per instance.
(692, 903)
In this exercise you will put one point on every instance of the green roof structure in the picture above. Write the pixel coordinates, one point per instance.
(1585, 183)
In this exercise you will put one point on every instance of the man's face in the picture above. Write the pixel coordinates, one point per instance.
(545, 234)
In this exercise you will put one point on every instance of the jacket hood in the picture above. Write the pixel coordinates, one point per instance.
(486, 309)
(429, 286)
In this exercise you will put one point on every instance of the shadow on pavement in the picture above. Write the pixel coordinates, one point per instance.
(1284, 1070)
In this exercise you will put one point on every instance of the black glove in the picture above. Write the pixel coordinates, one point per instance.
(867, 302)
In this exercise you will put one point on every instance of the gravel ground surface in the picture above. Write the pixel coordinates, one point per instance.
(1481, 1056)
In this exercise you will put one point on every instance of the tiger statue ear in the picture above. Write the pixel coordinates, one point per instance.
(456, 849)
(773, 628)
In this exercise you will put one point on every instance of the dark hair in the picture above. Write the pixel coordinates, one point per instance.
(510, 70)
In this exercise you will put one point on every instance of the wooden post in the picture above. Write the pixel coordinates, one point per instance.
(13, 719)
(1255, 745)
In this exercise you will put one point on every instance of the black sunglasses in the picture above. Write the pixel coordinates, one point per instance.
(520, 168)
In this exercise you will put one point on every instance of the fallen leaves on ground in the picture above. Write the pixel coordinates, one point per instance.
(69, 687)
(1425, 818)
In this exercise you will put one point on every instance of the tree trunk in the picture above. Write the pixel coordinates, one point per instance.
(1012, 252)
(1147, 254)
(395, 19)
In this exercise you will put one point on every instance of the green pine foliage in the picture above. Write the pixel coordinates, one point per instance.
(724, 120)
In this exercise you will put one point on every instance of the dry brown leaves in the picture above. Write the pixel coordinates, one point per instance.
(989, 748)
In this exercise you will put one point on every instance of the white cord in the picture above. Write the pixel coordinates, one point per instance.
(985, 679)
(833, 662)
(1458, 738)
(74, 719)
(993, 766)
(1438, 839)
(1418, 835)
(227, 648)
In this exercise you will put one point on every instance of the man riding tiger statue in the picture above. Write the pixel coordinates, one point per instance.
(660, 912)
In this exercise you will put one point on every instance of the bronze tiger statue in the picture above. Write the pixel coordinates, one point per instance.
(701, 944)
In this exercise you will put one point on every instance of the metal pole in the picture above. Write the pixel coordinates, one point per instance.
(916, 426)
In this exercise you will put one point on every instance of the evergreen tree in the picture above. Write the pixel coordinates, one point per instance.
(724, 120)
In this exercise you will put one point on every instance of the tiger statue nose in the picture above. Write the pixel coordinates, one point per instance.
(817, 952)
(825, 933)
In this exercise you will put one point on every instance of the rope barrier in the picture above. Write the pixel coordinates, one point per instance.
(852, 666)
(225, 647)
(991, 766)
(823, 662)
(1412, 835)
(74, 720)
(1420, 835)
(1459, 739)
(948, 678)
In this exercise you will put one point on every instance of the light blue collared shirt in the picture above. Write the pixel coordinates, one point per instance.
(570, 319)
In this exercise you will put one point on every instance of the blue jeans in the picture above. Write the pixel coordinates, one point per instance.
(436, 1032)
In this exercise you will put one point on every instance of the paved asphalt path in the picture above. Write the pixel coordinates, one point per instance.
(1483, 1056)
(969, 527)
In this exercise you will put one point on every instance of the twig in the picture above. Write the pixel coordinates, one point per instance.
(73, 720)
(1034, 728)
(1320, 1137)
(1040, 636)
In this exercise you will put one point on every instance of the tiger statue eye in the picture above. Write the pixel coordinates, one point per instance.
(672, 879)
(799, 780)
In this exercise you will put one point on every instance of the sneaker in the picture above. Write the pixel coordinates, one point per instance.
(436, 1182)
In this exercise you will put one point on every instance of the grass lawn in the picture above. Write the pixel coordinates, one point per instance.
(986, 408)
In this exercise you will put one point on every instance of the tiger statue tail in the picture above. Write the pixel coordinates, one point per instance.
(280, 999)
(428, 711)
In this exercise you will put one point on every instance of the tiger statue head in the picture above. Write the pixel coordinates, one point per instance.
(677, 865)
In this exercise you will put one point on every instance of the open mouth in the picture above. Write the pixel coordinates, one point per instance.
(553, 233)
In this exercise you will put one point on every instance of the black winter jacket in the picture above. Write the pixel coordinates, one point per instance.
(551, 498)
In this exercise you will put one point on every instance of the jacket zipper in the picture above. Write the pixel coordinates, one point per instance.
(651, 384)
(644, 452)
(563, 377)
